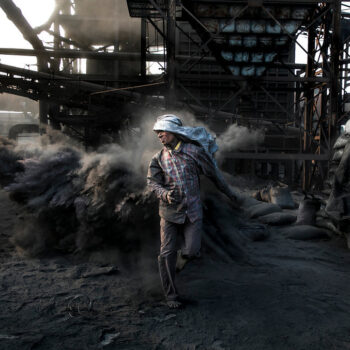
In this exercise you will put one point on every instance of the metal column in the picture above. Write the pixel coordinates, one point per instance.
(308, 110)
(171, 50)
(143, 48)
(335, 89)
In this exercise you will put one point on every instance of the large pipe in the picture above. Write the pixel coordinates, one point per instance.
(122, 56)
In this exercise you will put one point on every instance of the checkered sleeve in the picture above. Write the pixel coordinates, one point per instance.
(155, 179)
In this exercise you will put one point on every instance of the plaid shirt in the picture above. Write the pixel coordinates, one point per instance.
(179, 170)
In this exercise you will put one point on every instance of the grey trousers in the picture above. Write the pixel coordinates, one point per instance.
(169, 233)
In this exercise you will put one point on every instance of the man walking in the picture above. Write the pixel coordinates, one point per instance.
(173, 175)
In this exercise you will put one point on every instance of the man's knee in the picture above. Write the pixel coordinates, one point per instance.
(193, 237)
(166, 252)
(191, 251)
(192, 246)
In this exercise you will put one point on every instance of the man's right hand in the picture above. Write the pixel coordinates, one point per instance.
(173, 196)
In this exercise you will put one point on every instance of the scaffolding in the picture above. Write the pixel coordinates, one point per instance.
(226, 61)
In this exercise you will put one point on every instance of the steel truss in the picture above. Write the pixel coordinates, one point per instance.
(312, 97)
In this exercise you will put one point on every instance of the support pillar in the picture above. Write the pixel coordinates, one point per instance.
(308, 111)
(171, 50)
(143, 49)
(54, 108)
(335, 91)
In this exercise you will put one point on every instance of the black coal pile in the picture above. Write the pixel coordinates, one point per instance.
(76, 200)
(9, 161)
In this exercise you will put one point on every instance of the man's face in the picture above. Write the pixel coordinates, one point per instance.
(166, 138)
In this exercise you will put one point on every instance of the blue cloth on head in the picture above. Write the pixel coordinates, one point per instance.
(171, 123)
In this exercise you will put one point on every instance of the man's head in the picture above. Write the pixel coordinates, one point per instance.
(166, 138)
(168, 122)
(167, 126)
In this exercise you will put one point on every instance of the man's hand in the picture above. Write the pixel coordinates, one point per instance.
(173, 196)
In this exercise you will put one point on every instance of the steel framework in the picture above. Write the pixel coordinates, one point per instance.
(311, 96)
(227, 61)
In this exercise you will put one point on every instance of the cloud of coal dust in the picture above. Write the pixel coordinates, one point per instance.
(239, 138)
(83, 201)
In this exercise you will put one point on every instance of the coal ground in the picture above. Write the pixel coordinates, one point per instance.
(290, 295)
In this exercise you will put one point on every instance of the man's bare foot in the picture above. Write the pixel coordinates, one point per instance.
(174, 304)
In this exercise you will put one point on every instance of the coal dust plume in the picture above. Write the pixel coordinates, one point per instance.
(238, 137)
(74, 200)
(78, 201)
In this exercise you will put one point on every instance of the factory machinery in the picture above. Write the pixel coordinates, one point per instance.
(225, 61)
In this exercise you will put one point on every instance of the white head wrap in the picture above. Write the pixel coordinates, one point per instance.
(173, 124)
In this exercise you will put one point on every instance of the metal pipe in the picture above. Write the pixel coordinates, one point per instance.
(277, 156)
(122, 56)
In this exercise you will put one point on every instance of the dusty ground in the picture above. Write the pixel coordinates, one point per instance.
(290, 295)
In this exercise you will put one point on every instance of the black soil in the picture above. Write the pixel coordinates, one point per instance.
(287, 295)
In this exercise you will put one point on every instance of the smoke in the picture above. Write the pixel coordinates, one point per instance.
(103, 25)
(237, 138)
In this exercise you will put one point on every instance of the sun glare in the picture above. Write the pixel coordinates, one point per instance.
(36, 12)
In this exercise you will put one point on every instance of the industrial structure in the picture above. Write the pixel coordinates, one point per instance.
(225, 61)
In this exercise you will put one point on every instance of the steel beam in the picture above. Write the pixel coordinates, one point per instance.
(87, 88)
(308, 109)
(277, 156)
(335, 88)
(121, 56)
(218, 77)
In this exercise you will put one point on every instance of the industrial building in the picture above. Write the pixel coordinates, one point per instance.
(224, 61)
